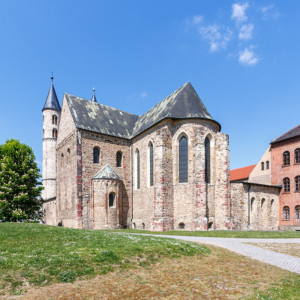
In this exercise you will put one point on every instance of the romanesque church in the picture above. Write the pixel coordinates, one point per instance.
(167, 169)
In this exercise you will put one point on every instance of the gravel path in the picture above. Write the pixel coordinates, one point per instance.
(284, 261)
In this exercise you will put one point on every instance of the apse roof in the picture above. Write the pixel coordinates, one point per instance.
(289, 134)
(107, 173)
(184, 103)
(52, 101)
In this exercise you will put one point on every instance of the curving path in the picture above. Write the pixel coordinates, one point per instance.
(284, 261)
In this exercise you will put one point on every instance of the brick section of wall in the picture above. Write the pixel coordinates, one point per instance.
(279, 172)
(262, 217)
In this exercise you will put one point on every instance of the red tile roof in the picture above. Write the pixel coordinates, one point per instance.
(241, 173)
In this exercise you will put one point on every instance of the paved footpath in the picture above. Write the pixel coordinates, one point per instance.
(284, 261)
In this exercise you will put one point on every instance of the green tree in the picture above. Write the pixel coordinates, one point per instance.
(20, 189)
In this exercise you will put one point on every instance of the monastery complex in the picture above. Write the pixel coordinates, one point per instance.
(167, 169)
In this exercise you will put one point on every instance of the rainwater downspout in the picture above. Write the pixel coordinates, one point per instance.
(249, 206)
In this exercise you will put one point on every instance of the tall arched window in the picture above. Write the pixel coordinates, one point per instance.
(183, 159)
(267, 165)
(54, 133)
(111, 199)
(252, 203)
(263, 203)
(151, 163)
(297, 183)
(286, 213)
(54, 119)
(119, 159)
(207, 160)
(297, 155)
(297, 212)
(262, 166)
(286, 158)
(138, 178)
(272, 204)
(96, 154)
(286, 184)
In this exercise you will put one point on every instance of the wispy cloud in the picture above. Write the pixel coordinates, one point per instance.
(269, 12)
(197, 19)
(248, 57)
(266, 8)
(239, 12)
(137, 97)
(246, 32)
(143, 95)
(217, 36)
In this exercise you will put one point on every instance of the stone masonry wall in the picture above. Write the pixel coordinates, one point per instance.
(263, 214)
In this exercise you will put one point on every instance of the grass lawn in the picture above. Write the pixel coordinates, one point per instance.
(34, 254)
(221, 233)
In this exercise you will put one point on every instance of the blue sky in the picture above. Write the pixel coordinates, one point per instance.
(241, 57)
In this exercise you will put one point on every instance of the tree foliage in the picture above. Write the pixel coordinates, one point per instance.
(20, 188)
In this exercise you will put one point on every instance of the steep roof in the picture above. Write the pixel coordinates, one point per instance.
(184, 103)
(241, 173)
(107, 173)
(289, 134)
(52, 101)
(100, 118)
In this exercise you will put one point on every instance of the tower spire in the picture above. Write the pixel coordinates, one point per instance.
(52, 101)
(94, 96)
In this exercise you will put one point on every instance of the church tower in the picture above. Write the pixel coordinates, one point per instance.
(51, 119)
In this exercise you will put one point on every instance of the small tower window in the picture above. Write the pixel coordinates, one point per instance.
(207, 160)
(286, 158)
(96, 154)
(111, 199)
(54, 119)
(286, 213)
(267, 165)
(297, 156)
(286, 185)
(262, 166)
(54, 133)
(119, 159)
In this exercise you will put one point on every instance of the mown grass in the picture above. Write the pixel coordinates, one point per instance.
(221, 233)
(33, 254)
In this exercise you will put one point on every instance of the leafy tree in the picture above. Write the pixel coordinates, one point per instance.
(20, 189)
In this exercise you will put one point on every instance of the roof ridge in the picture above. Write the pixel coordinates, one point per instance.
(285, 133)
(243, 167)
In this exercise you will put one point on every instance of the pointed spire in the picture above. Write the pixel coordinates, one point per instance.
(52, 101)
(94, 96)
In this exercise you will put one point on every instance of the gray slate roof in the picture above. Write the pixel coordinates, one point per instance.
(184, 103)
(288, 135)
(107, 173)
(52, 101)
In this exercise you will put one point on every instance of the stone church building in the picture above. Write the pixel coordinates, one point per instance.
(167, 169)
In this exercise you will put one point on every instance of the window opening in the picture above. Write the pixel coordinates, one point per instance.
(96, 153)
(267, 165)
(297, 156)
(111, 199)
(119, 159)
(286, 185)
(207, 160)
(183, 160)
(138, 170)
(297, 183)
(262, 203)
(181, 225)
(297, 212)
(286, 158)
(151, 163)
(54, 133)
(252, 203)
(286, 213)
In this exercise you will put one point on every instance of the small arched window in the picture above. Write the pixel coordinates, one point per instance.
(151, 163)
(183, 160)
(111, 199)
(54, 133)
(252, 203)
(263, 203)
(96, 154)
(207, 159)
(119, 159)
(286, 158)
(62, 160)
(286, 213)
(297, 212)
(138, 179)
(272, 204)
(262, 166)
(181, 225)
(286, 185)
(297, 183)
(297, 156)
(143, 225)
(54, 119)
(267, 165)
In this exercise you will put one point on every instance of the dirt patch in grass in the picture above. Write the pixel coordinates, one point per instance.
(220, 275)
(288, 248)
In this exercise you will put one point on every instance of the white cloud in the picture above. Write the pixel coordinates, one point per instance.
(246, 32)
(143, 95)
(248, 57)
(197, 19)
(269, 12)
(266, 8)
(216, 39)
(238, 12)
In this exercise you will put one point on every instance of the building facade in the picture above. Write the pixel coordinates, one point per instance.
(285, 151)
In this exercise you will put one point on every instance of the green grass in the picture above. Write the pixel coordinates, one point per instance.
(221, 233)
(288, 289)
(41, 254)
